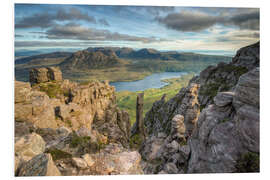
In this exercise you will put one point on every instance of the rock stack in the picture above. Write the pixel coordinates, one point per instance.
(41, 75)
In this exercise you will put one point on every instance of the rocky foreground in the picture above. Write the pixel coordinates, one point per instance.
(211, 126)
(65, 128)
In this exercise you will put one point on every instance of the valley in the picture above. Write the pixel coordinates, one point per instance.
(116, 64)
(126, 100)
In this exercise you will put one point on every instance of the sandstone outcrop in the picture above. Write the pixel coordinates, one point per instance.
(69, 104)
(41, 75)
(66, 128)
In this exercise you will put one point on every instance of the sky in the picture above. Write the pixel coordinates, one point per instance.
(220, 31)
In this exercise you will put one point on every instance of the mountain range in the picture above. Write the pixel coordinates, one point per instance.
(105, 63)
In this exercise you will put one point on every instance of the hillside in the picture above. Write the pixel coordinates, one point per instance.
(152, 54)
(105, 63)
(34, 58)
(84, 60)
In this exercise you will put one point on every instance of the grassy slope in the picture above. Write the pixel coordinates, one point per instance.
(126, 100)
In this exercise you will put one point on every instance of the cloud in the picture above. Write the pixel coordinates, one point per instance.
(18, 35)
(39, 44)
(250, 20)
(155, 10)
(45, 19)
(103, 22)
(78, 32)
(188, 21)
(195, 21)
(73, 14)
(239, 36)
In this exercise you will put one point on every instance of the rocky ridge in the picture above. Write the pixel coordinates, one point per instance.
(66, 128)
(212, 126)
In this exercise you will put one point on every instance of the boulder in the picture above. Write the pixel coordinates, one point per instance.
(170, 168)
(88, 159)
(40, 165)
(28, 146)
(22, 92)
(79, 163)
(223, 98)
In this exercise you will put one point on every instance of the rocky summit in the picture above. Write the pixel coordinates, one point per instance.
(210, 126)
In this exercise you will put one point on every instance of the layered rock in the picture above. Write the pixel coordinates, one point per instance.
(224, 137)
(227, 129)
(41, 75)
(224, 77)
(168, 125)
(40, 165)
(185, 103)
(56, 104)
(78, 127)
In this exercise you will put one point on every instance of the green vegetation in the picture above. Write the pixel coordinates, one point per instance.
(225, 120)
(222, 84)
(119, 73)
(58, 154)
(52, 89)
(202, 107)
(85, 144)
(135, 141)
(183, 143)
(127, 100)
(77, 140)
(172, 66)
(248, 162)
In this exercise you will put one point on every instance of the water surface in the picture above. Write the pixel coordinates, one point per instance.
(152, 81)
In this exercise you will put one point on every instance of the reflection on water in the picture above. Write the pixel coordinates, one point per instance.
(152, 81)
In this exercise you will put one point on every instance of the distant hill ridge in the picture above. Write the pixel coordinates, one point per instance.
(91, 60)
(149, 53)
(40, 56)
(129, 53)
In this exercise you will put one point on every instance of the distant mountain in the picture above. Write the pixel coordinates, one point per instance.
(42, 56)
(84, 60)
(148, 53)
